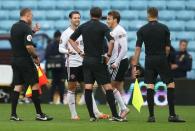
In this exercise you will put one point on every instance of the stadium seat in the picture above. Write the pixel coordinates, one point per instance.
(46, 25)
(64, 5)
(46, 5)
(175, 44)
(85, 15)
(142, 15)
(166, 15)
(160, 5)
(54, 15)
(82, 5)
(120, 5)
(129, 15)
(190, 25)
(125, 24)
(30, 4)
(5, 44)
(135, 25)
(185, 15)
(10, 5)
(130, 53)
(3, 16)
(185, 35)
(6, 25)
(138, 5)
(131, 45)
(39, 15)
(102, 4)
(173, 35)
(176, 4)
(176, 25)
(190, 5)
(14, 15)
(131, 35)
(191, 47)
(61, 25)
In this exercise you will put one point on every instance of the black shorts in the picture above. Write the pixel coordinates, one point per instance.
(76, 74)
(118, 74)
(24, 71)
(94, 70)
(157, 65)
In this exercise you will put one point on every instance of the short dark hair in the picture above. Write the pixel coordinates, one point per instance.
(96, 12)
(57, 34)
(183, 40)
(115, 15)
(24, 11)
(72, 13)
(153, 12)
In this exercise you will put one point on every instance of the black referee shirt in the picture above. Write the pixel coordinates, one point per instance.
(21, 35)
(93, 33)
(156, 37)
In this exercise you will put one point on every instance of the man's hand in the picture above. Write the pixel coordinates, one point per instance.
(174, 66)
(36, 27)
(135, 72)
(114, 66)
(36, 61)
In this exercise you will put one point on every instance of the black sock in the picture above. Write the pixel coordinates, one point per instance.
(36, 101)
(89, 102)
(111, 101)
(171, 99)
(15, 97)
(150, 100)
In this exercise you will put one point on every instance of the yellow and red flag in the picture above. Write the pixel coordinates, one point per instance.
(42, 81)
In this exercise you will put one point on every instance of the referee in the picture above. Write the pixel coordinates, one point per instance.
(156, 37)
(23, 63)
(94, 63)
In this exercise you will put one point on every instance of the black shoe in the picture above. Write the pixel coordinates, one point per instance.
(93, 119)
(117, 119)
(151, 119)
(175, 119)
(43, 117)
(15, 118)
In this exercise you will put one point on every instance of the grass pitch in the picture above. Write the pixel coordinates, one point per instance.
(62, 122)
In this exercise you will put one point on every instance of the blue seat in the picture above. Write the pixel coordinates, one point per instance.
(185, 35)
(30, 4)
(14, 15)
(129, 15)
(175, 44)
(64, 5)
(61, 24)
(191, 74)
(54, 15)
(5, 44)
(160, 5)
(173, 35)
(125, 24)
(39, 15)
(131, 35)
(46, 25)
(82, 5)
(120, 5)
(176, 5)
(6, 25)
(166, 15)
(130, 53)
(102, 4)
(190, 5)
(3, 15)
(50, 33)
(190, 25)
(85, 15)
(10, 5)
(142, 15)
(176, 25)
(191, 47)
(135, 25)
(138, 5)
(46, 5)
(185, 15)
(131, 45)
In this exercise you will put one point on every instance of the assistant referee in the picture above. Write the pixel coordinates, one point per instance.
(156, 37)
(23, 63)
(94, 64)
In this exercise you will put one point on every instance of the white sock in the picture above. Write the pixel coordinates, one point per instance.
(119, 99)
(95, 108)
(82, 99)
(71, 103)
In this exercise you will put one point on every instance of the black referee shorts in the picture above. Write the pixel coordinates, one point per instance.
(24, 72)
(94, 70)
(157, 65)
(76, 74)
(118, 74)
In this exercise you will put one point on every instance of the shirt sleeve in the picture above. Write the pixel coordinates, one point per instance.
(28, 36)
(139, 41)
(63, 46)
(107, 33)
(167, 37)
(76, 34)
